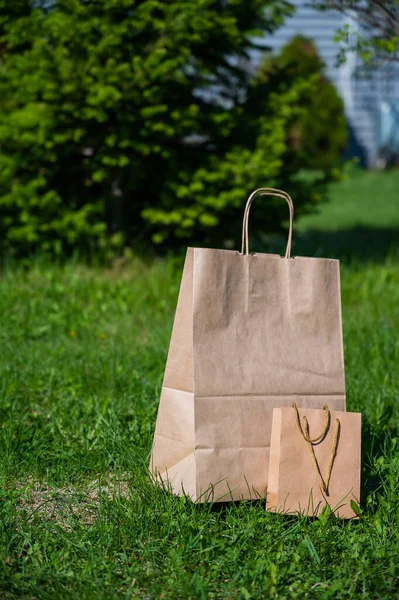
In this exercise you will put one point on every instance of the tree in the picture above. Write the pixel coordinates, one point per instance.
(125, 122)
(379, 20)
(317, 132)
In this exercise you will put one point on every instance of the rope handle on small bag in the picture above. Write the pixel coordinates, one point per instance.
(324, 482)
(266, 192)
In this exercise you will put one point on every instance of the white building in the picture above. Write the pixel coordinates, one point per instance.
(371, 103)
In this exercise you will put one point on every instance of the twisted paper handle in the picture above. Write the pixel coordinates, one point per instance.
(324, 482)
(266, 192)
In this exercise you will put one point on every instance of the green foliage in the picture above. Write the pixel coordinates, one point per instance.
(123, 122)
(83, 354)
(317, 134)
(377, 39)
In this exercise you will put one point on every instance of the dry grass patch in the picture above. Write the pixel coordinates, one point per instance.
(67, 505)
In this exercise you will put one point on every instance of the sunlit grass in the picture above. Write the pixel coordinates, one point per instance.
(81, 362)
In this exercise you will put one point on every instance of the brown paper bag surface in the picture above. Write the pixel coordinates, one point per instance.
(294, 483)
(251, 332)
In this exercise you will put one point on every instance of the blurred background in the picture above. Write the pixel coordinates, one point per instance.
(130, 129)
(139, 127)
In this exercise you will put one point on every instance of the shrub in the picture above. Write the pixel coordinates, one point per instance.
(317, 134)
(126, 122)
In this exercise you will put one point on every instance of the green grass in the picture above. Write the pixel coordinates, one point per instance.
(362, 200)
(361, 221)
(81, 363)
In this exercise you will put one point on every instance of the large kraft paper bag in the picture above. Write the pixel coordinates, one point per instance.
(304, 477)
(251, 332)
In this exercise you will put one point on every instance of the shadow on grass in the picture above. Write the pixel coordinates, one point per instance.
(375, 444)
(361, 244)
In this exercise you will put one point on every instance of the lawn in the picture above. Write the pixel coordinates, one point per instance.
(82, 358)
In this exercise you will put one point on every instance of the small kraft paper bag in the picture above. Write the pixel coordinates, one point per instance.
(314, 461)
(251, 332)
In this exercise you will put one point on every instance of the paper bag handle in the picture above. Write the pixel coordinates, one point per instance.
(324, 481)
(266, 192)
